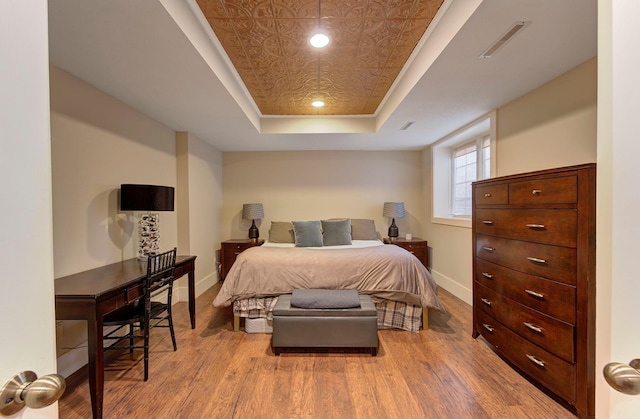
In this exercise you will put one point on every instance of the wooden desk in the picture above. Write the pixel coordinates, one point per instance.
(91, 294)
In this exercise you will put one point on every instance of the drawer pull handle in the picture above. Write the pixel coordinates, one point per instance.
(535, 294)
(536, 360)
(487, 275)
(487, 302)
(536, 260)
(487, 195)
(489, 328)
(536, 191)
(487, 222)
(488, 249)
(536, 226)
(533, 327)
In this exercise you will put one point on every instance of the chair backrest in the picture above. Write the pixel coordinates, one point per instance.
(160, 270)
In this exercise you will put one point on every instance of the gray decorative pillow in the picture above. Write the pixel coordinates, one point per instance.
(322, 298)
(363, 229)
(307, 233)
(281, 232)
(336, 232)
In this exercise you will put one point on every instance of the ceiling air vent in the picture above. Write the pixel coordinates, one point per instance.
(506, 37)
(407, 125)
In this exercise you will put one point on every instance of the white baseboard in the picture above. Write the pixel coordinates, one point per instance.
(72, 360)
(181, 293)
(455, 288)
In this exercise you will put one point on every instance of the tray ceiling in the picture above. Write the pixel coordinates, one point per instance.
(267, 42)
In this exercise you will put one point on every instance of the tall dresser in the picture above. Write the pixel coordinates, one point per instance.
(534, 277)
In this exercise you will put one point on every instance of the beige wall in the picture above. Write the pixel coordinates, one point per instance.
(200, 186)
(552, 126)
(98, 143)
(315, 185)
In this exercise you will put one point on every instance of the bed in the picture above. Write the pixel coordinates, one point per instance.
(400, 286)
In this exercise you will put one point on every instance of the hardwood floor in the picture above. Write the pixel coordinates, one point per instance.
(217, 373)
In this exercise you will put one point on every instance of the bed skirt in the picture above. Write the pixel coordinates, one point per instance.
(391, 314)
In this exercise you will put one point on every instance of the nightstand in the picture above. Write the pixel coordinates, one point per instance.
(230, 249)
(417, 246)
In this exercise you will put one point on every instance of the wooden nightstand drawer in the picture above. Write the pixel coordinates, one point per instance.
(230, 249)
(416, 246)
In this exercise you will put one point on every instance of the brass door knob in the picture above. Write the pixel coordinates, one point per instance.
(622, 377)
(26, 389)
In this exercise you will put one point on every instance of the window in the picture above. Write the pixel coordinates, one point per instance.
(471, 162)
(458, 160)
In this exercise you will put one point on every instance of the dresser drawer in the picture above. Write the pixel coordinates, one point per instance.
(549, 297)
(557, 227)
(551, 262)
(559, 190)
(553, 372)
(492, 194)
(547, 332)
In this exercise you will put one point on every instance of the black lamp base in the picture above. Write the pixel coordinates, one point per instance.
(393, 230)
(254, 233)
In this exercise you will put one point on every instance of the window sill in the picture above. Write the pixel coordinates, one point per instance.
(455, 222)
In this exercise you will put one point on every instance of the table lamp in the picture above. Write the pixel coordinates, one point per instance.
(253, 212)
(393, 210)
(149, 198)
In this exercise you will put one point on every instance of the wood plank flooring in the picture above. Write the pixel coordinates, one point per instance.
(217, 373)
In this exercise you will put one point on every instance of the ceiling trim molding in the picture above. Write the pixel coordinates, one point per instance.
(449, 19)
(321, 124)
(193, 24)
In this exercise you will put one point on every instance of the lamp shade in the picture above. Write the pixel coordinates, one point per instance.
(252, 212)
(393, 209)
(146, 198)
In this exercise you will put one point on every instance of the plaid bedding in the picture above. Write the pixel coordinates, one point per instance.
(391, 314)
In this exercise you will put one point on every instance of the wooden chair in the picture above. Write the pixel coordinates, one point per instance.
(150, 311)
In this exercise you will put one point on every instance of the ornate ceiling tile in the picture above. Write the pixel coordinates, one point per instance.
(267, 42)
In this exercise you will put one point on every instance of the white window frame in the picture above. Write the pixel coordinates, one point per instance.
(476, 145)
(442, 167)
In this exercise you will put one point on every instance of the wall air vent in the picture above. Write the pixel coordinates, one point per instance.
(506, 37)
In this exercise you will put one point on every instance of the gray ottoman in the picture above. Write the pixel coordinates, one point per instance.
(325, 328)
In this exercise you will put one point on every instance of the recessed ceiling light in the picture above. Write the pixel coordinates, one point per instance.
(317, 104)
(319, 40)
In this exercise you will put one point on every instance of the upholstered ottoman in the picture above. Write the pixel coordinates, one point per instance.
(295, 327)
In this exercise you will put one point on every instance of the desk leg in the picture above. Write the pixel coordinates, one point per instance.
(192, 298)
(96, 362)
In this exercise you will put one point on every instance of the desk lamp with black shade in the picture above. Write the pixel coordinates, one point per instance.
(149, 198)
